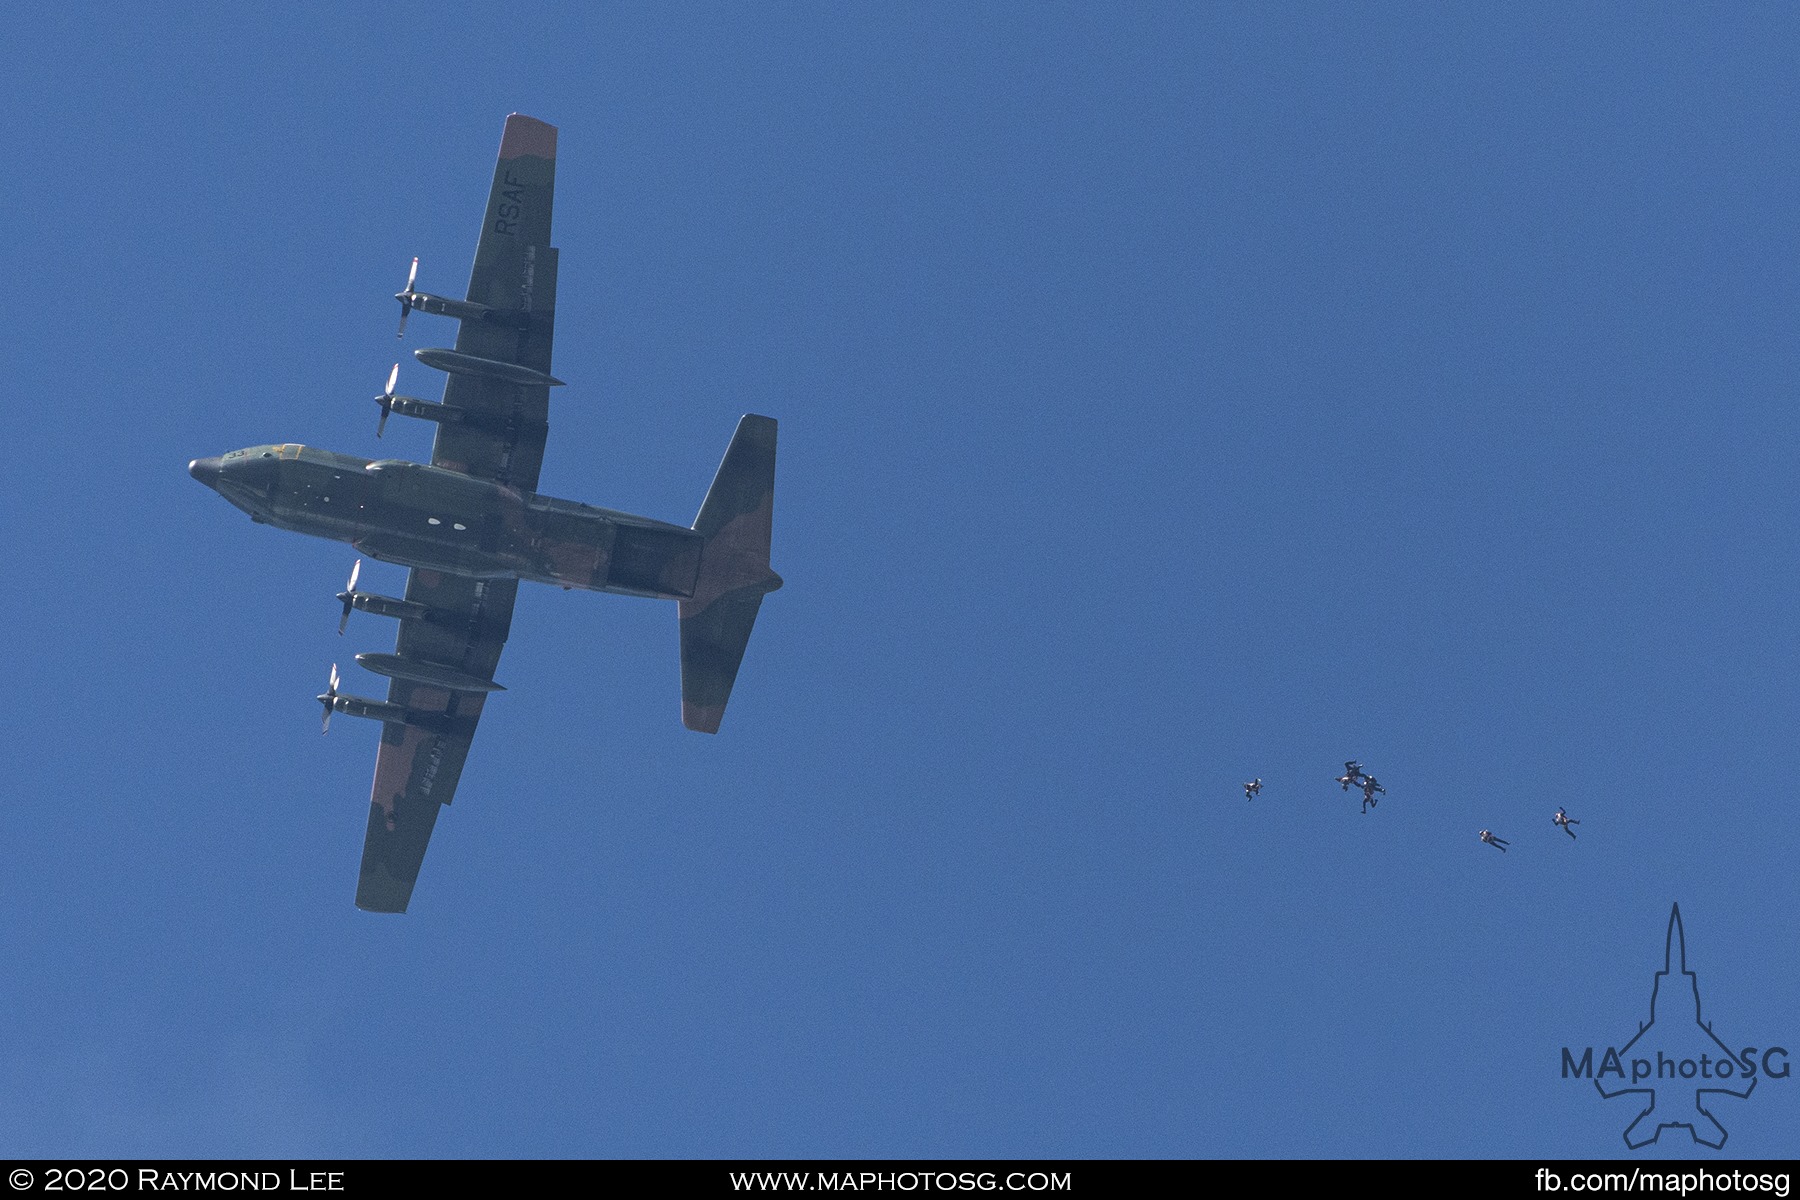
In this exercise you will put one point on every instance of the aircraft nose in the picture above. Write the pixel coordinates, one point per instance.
(206, 470)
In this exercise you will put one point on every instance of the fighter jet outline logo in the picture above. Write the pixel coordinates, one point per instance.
(1668, 1003)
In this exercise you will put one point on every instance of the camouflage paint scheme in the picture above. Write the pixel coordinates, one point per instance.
(471, 525)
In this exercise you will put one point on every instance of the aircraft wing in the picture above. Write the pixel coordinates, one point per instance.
(501, 438)
(418, 766)
(515, 273)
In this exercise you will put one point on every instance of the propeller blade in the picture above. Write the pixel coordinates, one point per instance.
(386, 399)
(406, 308)
(327, 698)
(348, 596)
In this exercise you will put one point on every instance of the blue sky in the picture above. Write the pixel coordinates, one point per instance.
(1170, 395)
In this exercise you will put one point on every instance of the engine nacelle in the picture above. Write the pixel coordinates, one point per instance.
(463, 310)
(385, 606)
(381, 710)
(425, 410)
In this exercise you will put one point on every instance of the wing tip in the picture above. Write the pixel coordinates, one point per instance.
(702, 718)
(528, 136)
(379, 892)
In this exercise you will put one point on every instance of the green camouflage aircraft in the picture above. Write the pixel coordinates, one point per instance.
(471, 525)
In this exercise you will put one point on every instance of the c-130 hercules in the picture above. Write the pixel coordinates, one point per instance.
(471, 525)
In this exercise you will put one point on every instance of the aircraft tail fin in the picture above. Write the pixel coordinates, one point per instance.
(736, 519)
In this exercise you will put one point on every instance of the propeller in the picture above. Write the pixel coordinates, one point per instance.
(386, 399)
(328, 698)
(348, 596)
(405, 298)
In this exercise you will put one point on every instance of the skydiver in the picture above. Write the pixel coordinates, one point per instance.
(1353, 775)
(1565, 820)
(1499, 844)
(1369, 788)
(1252, 788)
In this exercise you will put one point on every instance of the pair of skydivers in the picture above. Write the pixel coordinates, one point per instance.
(1562, 818)
(1354, 776)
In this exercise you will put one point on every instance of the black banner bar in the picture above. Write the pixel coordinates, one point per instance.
(326, 1179)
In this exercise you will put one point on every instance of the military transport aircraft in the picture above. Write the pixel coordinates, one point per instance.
(471, 525)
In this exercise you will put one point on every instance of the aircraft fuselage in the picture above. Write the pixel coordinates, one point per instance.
(437, 519)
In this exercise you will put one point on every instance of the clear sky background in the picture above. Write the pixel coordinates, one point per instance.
(1169, 395)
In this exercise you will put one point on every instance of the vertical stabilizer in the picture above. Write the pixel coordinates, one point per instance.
(736, 519)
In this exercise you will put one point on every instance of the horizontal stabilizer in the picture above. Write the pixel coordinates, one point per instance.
(736, 519)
